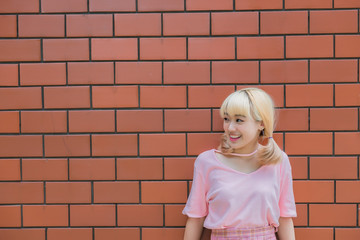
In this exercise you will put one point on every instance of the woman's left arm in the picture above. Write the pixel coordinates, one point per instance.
(286, 229)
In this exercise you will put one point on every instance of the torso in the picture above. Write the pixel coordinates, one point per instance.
(244, 165)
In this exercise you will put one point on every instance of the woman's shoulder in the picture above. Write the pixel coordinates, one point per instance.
(205, 158)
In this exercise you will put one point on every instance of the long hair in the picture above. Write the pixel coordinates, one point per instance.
(257, 104)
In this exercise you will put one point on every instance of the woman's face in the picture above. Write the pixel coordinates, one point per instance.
(242, 132)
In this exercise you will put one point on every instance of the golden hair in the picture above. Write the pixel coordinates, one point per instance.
(257, 104)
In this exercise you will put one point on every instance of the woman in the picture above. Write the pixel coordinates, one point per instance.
(243, 190)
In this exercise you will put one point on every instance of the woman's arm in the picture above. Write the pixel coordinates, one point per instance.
(194, 228)
(286, 229)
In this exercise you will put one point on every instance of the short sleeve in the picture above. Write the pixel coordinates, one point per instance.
(196, 205)
(286, 202)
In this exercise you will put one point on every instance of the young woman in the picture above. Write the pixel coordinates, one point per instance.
(243, 190)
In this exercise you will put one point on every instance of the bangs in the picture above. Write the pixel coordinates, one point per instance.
(237, 103)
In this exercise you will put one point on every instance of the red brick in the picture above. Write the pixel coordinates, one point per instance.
(309, 95)
(90, 73)
(347, 95)
(20, 98)
(11, 216)
(133, 120)
(9, 122)
(186, 24)
(41, 26)
(21, 146)
(276, 92)
(333, 119)
(8, 26)
(112, 5)
(284, 71)
(139, 169)
(158, 144)
(336, 168)
(162, 233)
(173, 216)
(92, 169)
(217, 121)
(67, 97)
(116, 192)
(140, 215)
(86, 25)
(186, 72)
(162, 96)
(188, 120)
(333, 70)
(15, 50)
(92, 215)
(42, 74)
(260, 47)
(314, 233)
(45, 215)
(201, 5)
(314, 191)
(347, 191)
(346, 4)
(19, 6)
(295, 4)
(223, 23)
(115, 96)
(178, 168)
(64, 6)
(302, 215)
(211, 48)
(138, 72)
(334, 21)
(9, 75)
(347, 143)
(258, 4)
(332, 214)
(347, 233)
(309, 46)
(235, 72)
(66, 49)
(208, 96)
(347, 46)
(293, 119)
(114, 49)
(114, 145)
(162, 48)
(135, 24)
(92, 121)
(160, 5)
(43, 121)
(68, 192)
(44, 169)
(69, 233)
(20, 234)
(199, 142)
(299, 166)
(21, 192)
(67, 145)
(117, 233)
(280, 22)
(163, 192)
(10, 170)
(308, 143)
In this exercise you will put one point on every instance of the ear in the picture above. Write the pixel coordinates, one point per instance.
(262, 127)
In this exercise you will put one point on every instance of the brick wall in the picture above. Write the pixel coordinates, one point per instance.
(104, 105)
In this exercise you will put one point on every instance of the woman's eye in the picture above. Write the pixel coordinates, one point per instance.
(226, 119)
(239, 120)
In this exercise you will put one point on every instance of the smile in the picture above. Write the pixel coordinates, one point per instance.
(234, 138)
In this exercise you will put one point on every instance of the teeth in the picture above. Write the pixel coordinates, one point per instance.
(232, 136)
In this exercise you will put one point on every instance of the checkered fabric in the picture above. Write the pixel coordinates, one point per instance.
(257, 233)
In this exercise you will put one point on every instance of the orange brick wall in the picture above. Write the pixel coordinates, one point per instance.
(104, 105)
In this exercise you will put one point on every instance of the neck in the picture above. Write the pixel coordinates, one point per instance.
(239, 154)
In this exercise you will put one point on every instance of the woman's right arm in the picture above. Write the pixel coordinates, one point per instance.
(194, 228)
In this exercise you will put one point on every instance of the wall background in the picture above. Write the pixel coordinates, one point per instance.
(105, 104)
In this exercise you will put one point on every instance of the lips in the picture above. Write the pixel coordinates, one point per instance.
(234, 138)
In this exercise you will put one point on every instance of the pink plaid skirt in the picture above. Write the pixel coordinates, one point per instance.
(257, 233)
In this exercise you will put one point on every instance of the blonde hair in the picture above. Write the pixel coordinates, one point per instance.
(257, 104)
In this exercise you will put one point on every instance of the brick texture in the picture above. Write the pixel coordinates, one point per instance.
(105, 105)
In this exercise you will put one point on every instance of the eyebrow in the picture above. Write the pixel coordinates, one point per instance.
(236, 115)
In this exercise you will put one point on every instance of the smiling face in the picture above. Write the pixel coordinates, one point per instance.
(242, 132)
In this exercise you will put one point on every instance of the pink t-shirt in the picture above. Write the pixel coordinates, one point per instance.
(229, 198)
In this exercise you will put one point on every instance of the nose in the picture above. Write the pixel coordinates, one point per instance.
(231, 126)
